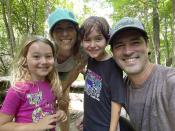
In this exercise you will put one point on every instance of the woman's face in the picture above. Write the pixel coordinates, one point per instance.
(65, 35)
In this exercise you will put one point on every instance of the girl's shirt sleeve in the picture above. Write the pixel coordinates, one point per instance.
(11, 102)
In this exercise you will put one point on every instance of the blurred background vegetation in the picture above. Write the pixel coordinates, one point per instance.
(21, 17)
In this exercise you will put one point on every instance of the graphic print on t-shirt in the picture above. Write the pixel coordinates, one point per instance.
(35, 99)
(93, 85)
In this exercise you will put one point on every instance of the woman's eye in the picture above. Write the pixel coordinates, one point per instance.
(135, 42)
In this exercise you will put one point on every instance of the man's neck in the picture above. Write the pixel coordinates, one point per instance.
(139, 79)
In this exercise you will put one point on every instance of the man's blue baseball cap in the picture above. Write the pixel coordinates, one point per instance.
(127, 23)
(59, 15)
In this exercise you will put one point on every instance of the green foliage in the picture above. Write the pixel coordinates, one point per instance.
(29, 16)
(143, 9)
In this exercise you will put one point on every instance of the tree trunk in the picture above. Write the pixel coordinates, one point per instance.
(34, 17)
(47, 12)
(27, 28)
(173, 30)
(12, 38)
(166, 40)
(8, 24)
(156, 30)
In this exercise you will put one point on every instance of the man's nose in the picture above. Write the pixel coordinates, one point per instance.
(128, 49)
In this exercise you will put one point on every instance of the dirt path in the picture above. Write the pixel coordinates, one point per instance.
(76, 109)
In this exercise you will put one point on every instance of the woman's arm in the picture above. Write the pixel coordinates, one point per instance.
(115, 114)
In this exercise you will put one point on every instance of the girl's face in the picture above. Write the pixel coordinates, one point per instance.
(39, 60)
(94, 45)
(65, 35)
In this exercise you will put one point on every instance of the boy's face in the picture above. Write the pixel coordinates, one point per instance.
(64, 35)
(130, 51)
(94, 45)
(39, 60)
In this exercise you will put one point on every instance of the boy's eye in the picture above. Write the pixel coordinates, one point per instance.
(98, 38)
(49, 56)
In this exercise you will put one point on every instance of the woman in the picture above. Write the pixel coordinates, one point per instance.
(63, 30)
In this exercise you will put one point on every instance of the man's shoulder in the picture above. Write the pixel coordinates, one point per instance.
(168, 74)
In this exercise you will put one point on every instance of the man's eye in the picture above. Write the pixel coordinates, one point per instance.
(118, 45)
(86, 40)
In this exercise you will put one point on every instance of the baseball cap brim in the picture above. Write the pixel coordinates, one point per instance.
(116, 32)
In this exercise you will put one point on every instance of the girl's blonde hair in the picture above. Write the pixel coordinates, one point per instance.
(20, 72)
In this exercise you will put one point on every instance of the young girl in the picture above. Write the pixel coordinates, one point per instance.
(104, 92)
(30, 101)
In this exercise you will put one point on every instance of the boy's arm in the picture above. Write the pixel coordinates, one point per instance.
(115, 114)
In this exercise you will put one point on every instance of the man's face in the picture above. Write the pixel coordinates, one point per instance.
(130, 51)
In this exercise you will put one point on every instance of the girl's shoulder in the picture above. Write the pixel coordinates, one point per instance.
(21, 87)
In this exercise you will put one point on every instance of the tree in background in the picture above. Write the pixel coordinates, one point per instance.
(22, 17)
(173, 29)
(157, 18)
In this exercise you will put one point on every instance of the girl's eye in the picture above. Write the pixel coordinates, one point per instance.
(35, 56)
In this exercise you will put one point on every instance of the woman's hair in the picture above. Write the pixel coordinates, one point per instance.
(95, 22)
(20, 72)
(77, 43)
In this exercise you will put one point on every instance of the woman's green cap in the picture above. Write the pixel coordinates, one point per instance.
(59, 15)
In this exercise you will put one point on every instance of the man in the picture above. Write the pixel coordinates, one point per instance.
(150, 87)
